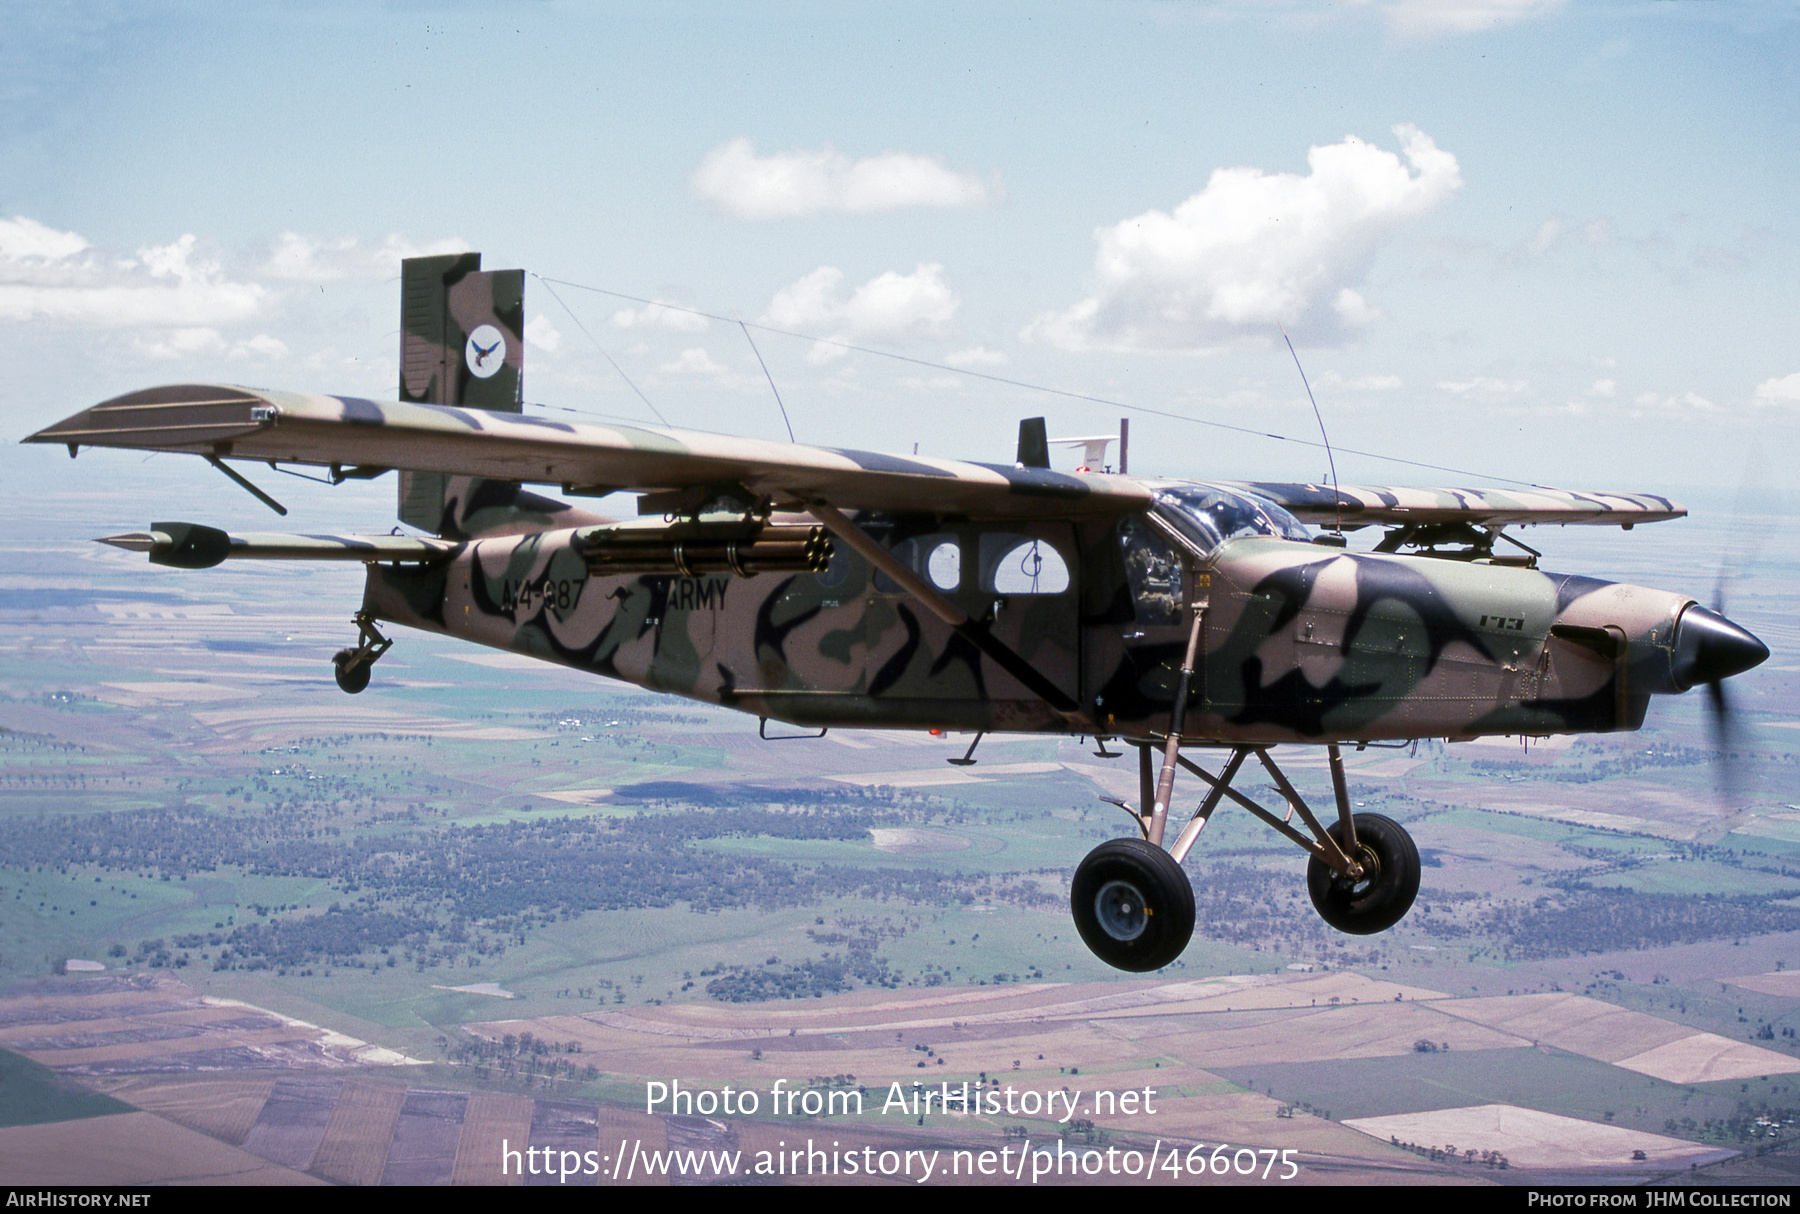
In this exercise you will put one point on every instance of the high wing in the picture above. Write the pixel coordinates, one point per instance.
(1362, 505)
(221, 421)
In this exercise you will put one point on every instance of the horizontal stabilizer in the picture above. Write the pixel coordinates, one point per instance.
(192, 546)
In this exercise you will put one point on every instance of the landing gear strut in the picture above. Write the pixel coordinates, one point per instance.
(1132, 903)
(351, 666)
(1135, 909)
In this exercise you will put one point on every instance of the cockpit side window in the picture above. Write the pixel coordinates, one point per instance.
(1154, 571)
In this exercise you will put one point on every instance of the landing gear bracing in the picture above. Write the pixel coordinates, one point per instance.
(1132, 903)
(1134, 907)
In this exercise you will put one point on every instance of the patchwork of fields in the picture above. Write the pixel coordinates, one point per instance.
(254, 930)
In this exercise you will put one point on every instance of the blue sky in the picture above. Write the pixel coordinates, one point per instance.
(1548, 242)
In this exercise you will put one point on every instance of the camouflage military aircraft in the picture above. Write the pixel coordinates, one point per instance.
(847, 588)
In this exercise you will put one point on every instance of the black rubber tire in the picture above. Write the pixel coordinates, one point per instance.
(352, 676)
(1132, 905)
(1382, 896)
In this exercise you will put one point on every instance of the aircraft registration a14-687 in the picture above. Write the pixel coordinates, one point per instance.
(825, 587)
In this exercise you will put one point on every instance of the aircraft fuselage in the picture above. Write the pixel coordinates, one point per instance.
(1300, 643)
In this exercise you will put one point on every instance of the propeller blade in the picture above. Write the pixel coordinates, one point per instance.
(1727, 739)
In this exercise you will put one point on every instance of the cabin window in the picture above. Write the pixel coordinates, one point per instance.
(936, 558)
(943, 565)
(1021, 564)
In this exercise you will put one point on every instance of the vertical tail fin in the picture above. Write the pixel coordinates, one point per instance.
(462, 333)
(462, 342)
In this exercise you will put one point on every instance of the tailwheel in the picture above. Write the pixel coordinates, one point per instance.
(1133, 905)
(352, 667)
(1382, 895)
(351, 670)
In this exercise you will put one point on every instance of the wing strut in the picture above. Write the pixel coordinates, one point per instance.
(241, 479)
(965, 625)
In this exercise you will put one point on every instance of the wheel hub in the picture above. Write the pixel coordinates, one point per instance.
(1121, 910)
(1369, 877)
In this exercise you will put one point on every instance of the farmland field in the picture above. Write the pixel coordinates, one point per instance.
(337, 920)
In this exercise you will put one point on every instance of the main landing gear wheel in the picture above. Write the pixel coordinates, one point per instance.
(1133, 905)
(352, 675)
(1384, 893)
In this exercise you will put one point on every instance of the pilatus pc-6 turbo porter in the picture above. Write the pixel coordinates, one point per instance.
(824, 587)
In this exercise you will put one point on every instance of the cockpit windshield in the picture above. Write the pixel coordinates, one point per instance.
(1210, 514)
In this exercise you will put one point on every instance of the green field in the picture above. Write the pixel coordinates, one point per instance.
(198, 831)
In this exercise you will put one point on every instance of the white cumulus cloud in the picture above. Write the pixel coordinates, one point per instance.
(1430, 18)
(296, 257)
(195, 341)
(1487, 388)
(698, 363)
(977, 356)
(796, 185)
(47, 275)
(1686, 402)
(1333, 381)
(889, 307)
(260, 346)
(660, 316)
(541, 333)
(1784, 390)
(23, 239)
(1253, 249)
(1353, 309)
(181, 343)
(695, 361)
